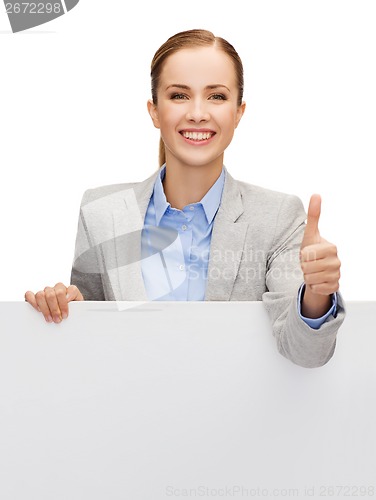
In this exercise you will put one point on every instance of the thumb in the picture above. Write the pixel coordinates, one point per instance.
(73, 293)
(312, 233)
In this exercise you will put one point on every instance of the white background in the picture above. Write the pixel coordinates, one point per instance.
(73, 115)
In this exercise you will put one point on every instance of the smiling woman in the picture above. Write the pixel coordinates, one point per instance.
(184, 104)
(216, 47)
(191, 231)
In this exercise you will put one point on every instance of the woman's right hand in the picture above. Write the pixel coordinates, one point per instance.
(53, 302)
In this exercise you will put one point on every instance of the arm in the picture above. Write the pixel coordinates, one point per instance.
(296, 340)
(86, 273)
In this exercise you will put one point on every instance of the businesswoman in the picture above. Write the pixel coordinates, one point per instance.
(191, 231)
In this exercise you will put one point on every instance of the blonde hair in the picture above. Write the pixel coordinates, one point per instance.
(191, 39)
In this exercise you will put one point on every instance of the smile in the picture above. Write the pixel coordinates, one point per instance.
(197, 136)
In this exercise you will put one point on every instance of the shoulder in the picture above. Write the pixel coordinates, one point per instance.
(99, 192)
(268, 202)
(104, 194)
(271, 215)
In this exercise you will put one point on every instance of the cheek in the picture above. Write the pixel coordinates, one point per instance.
(228, 119)
(167, 118)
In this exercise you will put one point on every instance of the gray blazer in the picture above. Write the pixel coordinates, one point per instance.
(254, 255)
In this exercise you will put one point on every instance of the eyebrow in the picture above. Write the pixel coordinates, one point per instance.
(208, 87)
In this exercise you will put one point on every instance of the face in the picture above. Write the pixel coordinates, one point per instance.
(197, 110)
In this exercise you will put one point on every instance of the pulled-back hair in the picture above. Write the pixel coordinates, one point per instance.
(191, 39)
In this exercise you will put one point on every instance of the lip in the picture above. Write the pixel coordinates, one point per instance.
(202, 142)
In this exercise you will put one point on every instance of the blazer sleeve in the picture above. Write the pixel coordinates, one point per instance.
(296, 340)
(86, 270)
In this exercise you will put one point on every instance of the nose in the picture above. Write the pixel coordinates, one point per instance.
(197, 111)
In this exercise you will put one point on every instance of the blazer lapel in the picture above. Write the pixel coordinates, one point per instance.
(227, 243)
(226, 247)
(128, 219)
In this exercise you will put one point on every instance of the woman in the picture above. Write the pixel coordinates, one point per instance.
(192, 232)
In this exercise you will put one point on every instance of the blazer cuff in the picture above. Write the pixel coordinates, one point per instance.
(315, 323)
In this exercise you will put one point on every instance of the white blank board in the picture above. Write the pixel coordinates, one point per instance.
(158, 400)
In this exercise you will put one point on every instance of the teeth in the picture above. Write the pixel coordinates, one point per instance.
(197, 136)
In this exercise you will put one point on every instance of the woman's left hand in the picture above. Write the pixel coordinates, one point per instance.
(320, 265)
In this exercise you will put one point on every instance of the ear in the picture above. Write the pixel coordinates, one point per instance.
(153, 112)
(239, 113)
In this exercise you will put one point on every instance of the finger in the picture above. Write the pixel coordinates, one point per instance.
(318, 251)
(315, 278)
(30, 298)
(328, 263)
(60, 292)
(322, 277)
(312, 233)
(43, 306)
(73, 293)
(53, 305)
(314, 211)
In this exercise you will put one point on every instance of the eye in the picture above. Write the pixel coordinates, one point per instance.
(178, 97)
(218, 97)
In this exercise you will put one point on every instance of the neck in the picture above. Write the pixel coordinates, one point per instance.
(186, 184)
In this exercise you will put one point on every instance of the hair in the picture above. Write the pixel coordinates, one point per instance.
(191, 39)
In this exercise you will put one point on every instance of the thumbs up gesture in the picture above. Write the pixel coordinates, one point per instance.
(320, 265)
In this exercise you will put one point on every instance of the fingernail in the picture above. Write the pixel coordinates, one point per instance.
(49, 319)
(65, 315)
(57, 319)
(67, 296)
(38, 308)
